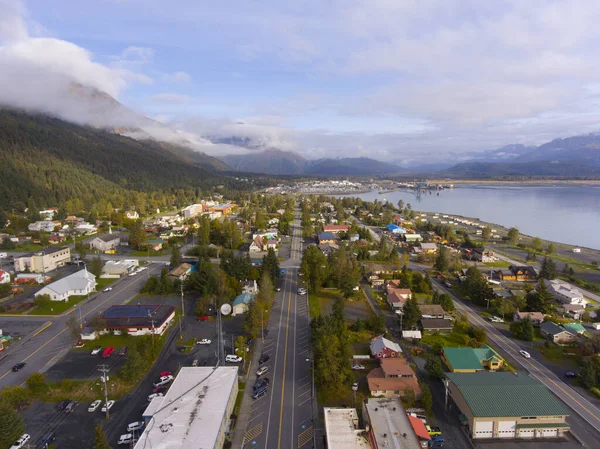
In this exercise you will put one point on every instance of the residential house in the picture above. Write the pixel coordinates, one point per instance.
(85, 228)
(433, 325)
(105, 242)
(354, 237)
(536, 317)
(181, 272)
(389, 425)
(250, 287)
(336, 229)
(328, 248)
(383, 348)
(43, 261)
(43, 226)
(392, 379)
(376, 282)
(268, 234)
(80, 283)
(118, 268)
(132, 215)
(556, 333)
(574, 328)
(470, 360)
(258, 245)
(574, 311)
(155, 244)
(432, 311)
(397, 297)
(412, 335)
(483, 255)
(327, 237)
(56, 238)
(241, 303)
(506, 405)
(566, 293)
(523, 273)
(413, 238)
(428, 248)
(4, 277)
(273, 221)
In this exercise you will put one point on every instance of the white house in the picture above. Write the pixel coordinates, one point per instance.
(5, 277)
(132, 215)
(105, 242)
(45, 226)
(81, 283)
(86, 228)
(566, 293)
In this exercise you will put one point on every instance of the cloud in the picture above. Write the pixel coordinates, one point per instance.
(171, 98)
(178, 78)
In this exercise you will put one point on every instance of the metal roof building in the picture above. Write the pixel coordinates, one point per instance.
(342, 430)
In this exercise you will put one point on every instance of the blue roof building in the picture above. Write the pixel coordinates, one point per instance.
(241, 303)
(394, 229)
(326, 236)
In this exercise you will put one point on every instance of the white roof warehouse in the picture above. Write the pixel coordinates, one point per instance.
(194, 414)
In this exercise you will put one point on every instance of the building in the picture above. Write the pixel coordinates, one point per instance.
(432, 311)
(556, 333)
(4, 277)
(412, 335)
(574, 311)
(85, 228)
(393, 379)
(566, 293)
(192, 210)
(31, 278)
(536, 317)
(413, 238)
(395, 229)
(268, 234)
(224, 209)
(428, 248)
(250, 287)
(194, 412)
(471, 360)
(382, 348)
(336, 229)
(141, 319)
(328, 248)
(105, 242)
(181, 272)
(574, 328)
(342, 429)
(132, 215)
(506, 405)
(483, 255)
(241, 303)
(326, 237)
(43, 261)
(432, 325)
(523, 273)
(43, 226)
(118, 268)
(397, 297)
(389, 425)
(155, 244)
(80, 283)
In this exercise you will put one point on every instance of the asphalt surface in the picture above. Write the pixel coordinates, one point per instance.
(43, 350)
(284, 417)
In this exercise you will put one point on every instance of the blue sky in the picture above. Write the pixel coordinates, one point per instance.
(405, 80)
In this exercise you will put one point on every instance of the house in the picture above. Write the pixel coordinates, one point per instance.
(328, 248)
(471, 360)
(504, 275)
(272, 244)
(257, 245)
(273, 221)
(394, 229)
(80, 283)
(132, 215)
(181, 272)
(428, 248)
(43, 261)
(268, 234)
(523, 273)
(506, 405)
(397, 297)
(376, 282)
(140, 319)
(118, 268)
(413, 238)
(574, 311)
(574, 328)
(393, 379)
(336, 229)
(342, 429)
(536, 317)
(4, 277)
(565, 293)
(43, 226)
(389, 425)
(105, 242)
(354, 237)
(432, 311)
(432, 325)
(155, 244)
(412, 335)
(241, 303)
(483, 255)
(556, 333)
(382, 348)
(327, 237)
(56, 238)
(250, 287)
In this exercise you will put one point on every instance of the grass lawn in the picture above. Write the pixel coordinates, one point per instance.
(58, 307)
(497, 264)
(319, 303)
(152, 253)
(453, 339)
(422, 298)
(102, 283)
(564, 356)
(238, 399)
(118, 341)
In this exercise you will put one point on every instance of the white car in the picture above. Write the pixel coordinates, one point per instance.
(126, 438)
(138, 425)
(302, 291)
(108, 405)
(163, 380)
(21, 441)
(133, 273)
(525, 354)
(142, 268)
(233, 358)
(96, 350)
(154, 395)
(94, 405)
(496, 319)
(358, 367)
(107, 289)
(204, 341)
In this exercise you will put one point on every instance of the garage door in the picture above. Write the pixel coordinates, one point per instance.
(526, 433)
(548, 433)
(484, 429)
(506, 429)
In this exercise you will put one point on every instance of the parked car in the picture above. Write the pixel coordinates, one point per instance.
(132, 427)
(48, 438)
(80, 343)
(164, 380)
(302, 291)
(154, 395)
(21, 442)
(108, 352)
(204, 341)
(107, 289)
(108, 405)
(195, 362)
(18, 366)
(496, 319)
(203, 318)
(233, 358)
(160, 389)
(62, 404)
(571, 375)
(133, 273)
(165, 373)
(358, 367)
(436, 442)
(525, 354)
(262, 382)
(433, 431)
(448, 284)
(259, 393)
(126, 438)
(264, 358)
(123, 351)
(96, 350)
(262, 370)
(71, 406)
(94, 405)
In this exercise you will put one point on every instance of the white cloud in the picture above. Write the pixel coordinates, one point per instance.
(167, 98)
(178, 78)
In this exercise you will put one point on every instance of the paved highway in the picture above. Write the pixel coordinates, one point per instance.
(47, 347)
(283, 418)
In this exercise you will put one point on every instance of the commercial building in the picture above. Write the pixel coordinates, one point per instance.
(566, 293)
(194, 413)
(118, 268)
(192, 210)
(506, 405)
(389, 425)
(224, 209)
(105, 242)
(336, 229)
(395, 229)
(141, 319)
(81, 283)
(43, 261)
(342, 429)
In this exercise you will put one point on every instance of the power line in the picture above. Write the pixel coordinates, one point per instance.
(104, 369)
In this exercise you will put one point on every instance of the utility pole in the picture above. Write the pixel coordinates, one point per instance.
(152, 321)
(182, 312)
(104, 370)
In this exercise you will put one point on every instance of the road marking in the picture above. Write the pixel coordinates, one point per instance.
(42, 329)
(253, 433)
(294, 360)
(287, 331)
(305, 437)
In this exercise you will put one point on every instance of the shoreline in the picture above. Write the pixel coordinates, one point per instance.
(542, 182)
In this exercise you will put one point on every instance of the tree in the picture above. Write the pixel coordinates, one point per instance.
(447, 303)
(548, 269)
(81, 249)
(11, 425)
(426, 399)
(433, 366)
(42, 300)
(513, 235)
(550, 249)
(476, 286)
(100, 440)
(588, 375)
(486, 233)
(96, 266)
(314, 267)
(410, 313)
(270, 265)
(441, 260)
(523, 329)
(137, 235)
(175, 256)
(540, 299)
(37, 384)
(400, 204)
(536, 244)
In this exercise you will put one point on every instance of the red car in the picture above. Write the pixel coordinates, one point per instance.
(160, 389)
(203, 318)
(107, 352)
(165, 373)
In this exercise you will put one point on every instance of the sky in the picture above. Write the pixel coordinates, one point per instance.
(401, 80)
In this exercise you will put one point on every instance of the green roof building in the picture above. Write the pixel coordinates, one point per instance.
(471, 360)
(574, 328)
(507, 405)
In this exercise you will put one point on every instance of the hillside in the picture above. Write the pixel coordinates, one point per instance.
(550, 169)
(49, 161)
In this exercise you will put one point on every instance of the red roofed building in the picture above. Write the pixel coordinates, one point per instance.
(419, 428)
(336, 228)
(393, 379)
(396, 296)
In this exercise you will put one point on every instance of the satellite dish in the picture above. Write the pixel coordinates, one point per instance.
(225, 309)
